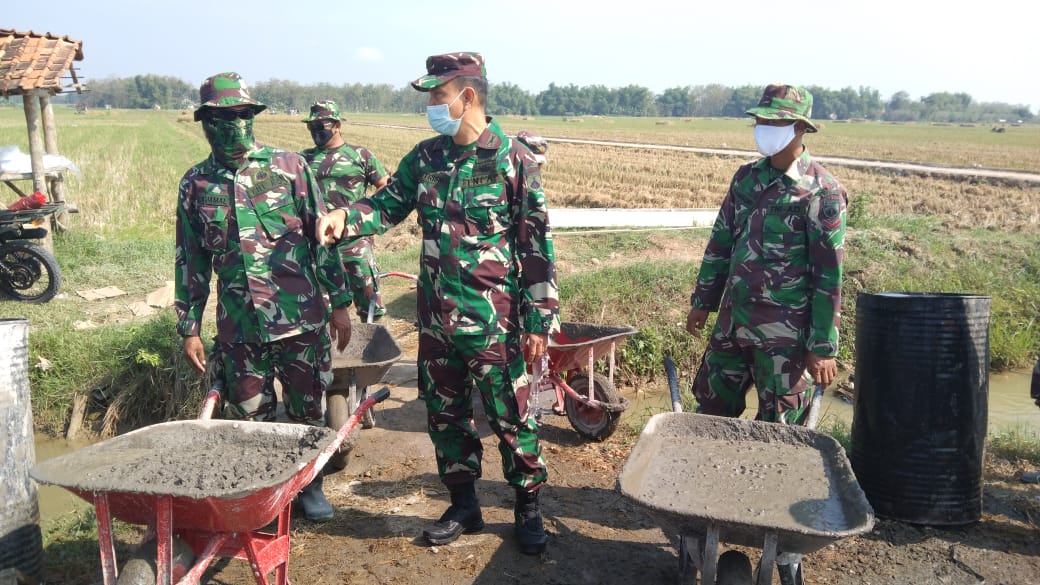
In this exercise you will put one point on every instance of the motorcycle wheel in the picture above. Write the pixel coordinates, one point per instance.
(28, 272)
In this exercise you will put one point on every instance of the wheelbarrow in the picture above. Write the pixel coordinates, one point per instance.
(783, 488)
(205, 489)
(366, 359)
(592, 403)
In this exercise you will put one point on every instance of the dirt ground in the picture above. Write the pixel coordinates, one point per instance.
(390, 491)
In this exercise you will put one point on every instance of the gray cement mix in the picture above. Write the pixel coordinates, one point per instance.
(742, 472)
(194, 459)
(769, 484)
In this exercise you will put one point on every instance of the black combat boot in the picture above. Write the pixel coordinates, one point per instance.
(789, 567)
(463, 516)
(312, 500)
(530, 533)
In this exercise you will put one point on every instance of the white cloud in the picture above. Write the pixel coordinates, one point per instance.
(368, 55)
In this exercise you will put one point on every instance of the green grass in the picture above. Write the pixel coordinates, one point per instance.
(1015, 444)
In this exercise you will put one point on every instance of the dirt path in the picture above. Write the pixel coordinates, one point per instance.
(390, 491)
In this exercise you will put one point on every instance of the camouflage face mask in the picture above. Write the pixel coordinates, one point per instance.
(320, 134)
(230, 140)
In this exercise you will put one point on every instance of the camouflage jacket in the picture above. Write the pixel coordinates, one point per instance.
(344, 172)
(776, 250)
(255, 229)
(487, 264)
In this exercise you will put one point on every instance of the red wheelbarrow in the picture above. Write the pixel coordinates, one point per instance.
(205, 489)
(592, 403)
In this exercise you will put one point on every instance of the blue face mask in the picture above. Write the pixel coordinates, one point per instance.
(439, 117)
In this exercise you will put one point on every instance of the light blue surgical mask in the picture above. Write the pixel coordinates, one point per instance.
(440, 119)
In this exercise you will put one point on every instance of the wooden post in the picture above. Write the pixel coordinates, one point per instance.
(50, 142)
(36, 150)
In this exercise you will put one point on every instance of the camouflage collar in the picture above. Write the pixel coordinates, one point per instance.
(491, 138)
(793, 172)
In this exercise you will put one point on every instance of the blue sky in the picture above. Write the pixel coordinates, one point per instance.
(984, 49)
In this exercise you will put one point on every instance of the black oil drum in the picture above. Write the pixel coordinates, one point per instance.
(919, 421)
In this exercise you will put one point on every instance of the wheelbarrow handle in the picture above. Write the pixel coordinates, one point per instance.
(673, 383)
(814, 407)
(381, 394)
(209, 404)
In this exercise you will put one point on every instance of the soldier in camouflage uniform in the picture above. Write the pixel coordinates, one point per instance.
(248, 212)
(772, 269)
(345, 171)
(487, 288)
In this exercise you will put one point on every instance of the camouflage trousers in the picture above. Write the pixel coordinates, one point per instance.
(359, 263)
(1034, 385)
(302, 363)
(449, 370)
(731, 363)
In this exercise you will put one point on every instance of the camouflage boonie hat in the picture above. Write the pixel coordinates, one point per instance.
(441, 69)
(536, 143)
(785, 102)
(323, 110)
(225, 90)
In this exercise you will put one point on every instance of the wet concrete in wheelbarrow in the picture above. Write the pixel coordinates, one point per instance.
(746, 478)
(193, 459)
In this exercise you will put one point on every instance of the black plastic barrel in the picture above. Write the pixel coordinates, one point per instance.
(20, 538)
(919, 421)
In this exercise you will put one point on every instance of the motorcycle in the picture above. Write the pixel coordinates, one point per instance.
(28, 272)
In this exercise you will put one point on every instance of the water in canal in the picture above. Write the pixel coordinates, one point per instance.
(1009, 404)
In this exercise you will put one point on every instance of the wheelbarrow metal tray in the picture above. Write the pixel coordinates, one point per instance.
(568, 347)
(221, 476)
(747, 478)
(370, 353)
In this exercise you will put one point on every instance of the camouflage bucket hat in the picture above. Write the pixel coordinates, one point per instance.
(225, 90)
(323, 110)
(535, 143)
(785, 102)
(441, 69)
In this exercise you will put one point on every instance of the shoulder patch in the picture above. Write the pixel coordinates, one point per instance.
(534, 181)
(830, 211)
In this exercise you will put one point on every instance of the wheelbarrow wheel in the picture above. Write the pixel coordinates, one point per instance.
(734, 568)
(140, 569)
(337, 410)
(592, 423)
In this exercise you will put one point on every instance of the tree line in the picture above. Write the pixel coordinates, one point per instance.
(714, 100)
